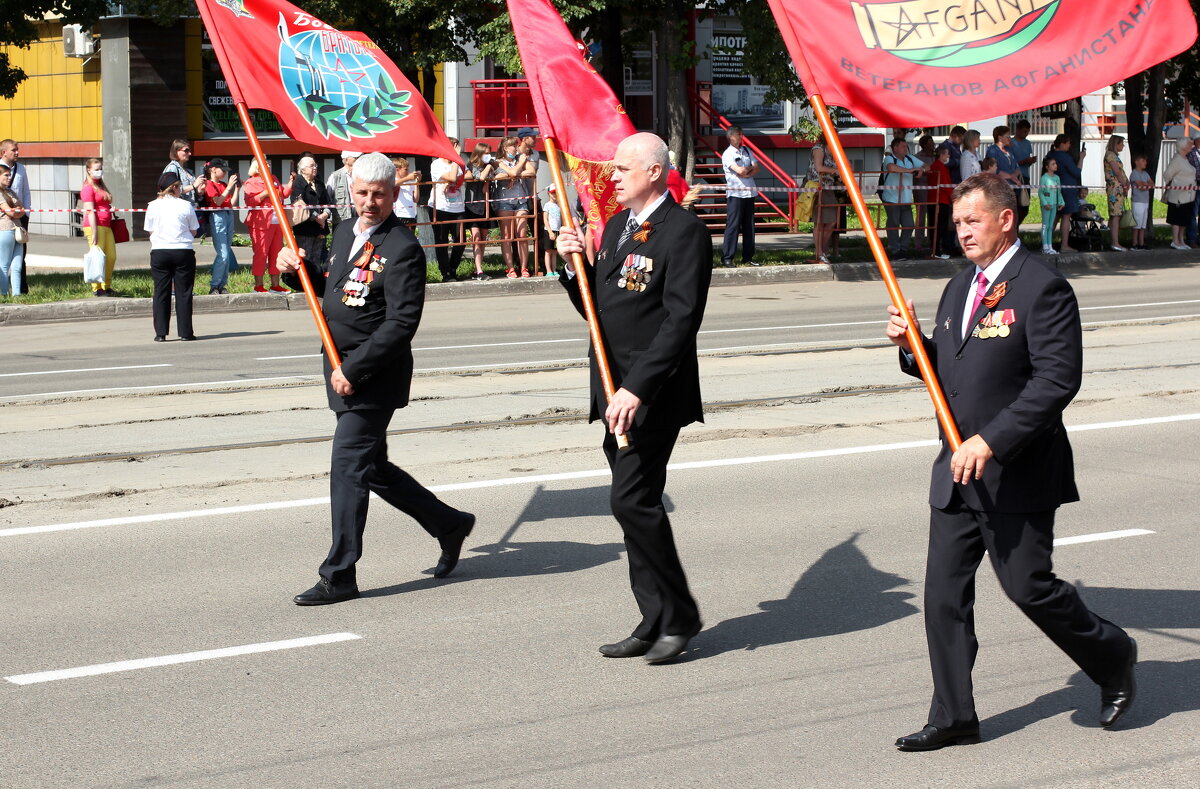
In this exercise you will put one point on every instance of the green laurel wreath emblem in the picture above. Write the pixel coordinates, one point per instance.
(376, 114)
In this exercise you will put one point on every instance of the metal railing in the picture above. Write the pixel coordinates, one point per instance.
(502, 106)
(702, 106)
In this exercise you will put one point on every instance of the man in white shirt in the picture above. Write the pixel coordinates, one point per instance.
(10, 152)
(740, 167)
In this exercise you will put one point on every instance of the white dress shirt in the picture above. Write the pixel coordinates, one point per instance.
(360, 238)
(992, 273)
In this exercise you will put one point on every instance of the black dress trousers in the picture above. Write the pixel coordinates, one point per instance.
(173, 267)
(639, 475)
(360, 467)
(1019, 546)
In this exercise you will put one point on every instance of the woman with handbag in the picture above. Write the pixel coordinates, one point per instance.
(171, 223)
(1116, 184)
(98, 221)
(310, 225)
(12, 235)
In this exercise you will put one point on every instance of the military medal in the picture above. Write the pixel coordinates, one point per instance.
(357, 285)
(635, 273)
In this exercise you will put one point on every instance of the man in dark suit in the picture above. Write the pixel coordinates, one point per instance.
(1008, 349)
(650, 283)
(374, 292)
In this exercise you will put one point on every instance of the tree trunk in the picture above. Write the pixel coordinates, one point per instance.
(1073, 125)
(671, 37)
(612, 66)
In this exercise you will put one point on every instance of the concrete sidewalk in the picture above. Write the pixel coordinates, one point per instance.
(56, 254)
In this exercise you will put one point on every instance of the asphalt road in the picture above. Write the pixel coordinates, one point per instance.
(799, 510)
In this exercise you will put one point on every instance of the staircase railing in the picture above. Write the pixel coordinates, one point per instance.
(774, 169)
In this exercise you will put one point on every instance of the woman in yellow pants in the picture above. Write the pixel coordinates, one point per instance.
(97, 221)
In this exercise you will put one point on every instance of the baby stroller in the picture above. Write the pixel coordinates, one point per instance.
(1084, 234)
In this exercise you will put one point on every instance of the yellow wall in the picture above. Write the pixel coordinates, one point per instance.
(60, 99)
(439, 101)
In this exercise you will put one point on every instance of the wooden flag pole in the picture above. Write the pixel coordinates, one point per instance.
(585, 288)
(915, 341)
(289, 237)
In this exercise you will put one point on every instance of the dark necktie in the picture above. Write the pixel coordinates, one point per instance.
(630, 226)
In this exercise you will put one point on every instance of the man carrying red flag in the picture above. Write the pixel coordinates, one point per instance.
(1007, 342)
(374, 289)
(651, 285)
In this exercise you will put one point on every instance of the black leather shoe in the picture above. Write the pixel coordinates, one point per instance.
(630, 647)
(159, 338)
(325, 593)
(667, 648)
(1117, 696)
(189, 338)
(452, 546)
(931, 738)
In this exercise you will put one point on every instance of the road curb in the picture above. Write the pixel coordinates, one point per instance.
(117, 307)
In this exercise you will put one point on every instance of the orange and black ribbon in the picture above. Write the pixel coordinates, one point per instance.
(993, 298)
(643, 234)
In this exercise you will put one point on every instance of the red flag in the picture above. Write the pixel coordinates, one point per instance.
(327, 87)
(573, 103)
(933, 62)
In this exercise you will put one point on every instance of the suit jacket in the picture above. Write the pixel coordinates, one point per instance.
(374, 340)
(1010, 390)
(650, 335)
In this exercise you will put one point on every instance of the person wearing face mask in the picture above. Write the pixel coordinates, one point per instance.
(97, 221)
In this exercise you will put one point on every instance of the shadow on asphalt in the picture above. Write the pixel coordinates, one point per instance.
(511, 558)
(840, 593)
(229, 334)
(1163, 688)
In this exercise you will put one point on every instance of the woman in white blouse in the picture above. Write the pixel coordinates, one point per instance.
(969, 163)
(171, 223)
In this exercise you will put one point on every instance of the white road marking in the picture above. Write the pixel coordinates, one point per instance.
(527, 363)
(1144, 304)
(83, 370)
(540, 478)
(1104, 535)
(171, 660)
(163, 386)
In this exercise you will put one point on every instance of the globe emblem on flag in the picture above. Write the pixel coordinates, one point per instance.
(338, 84)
